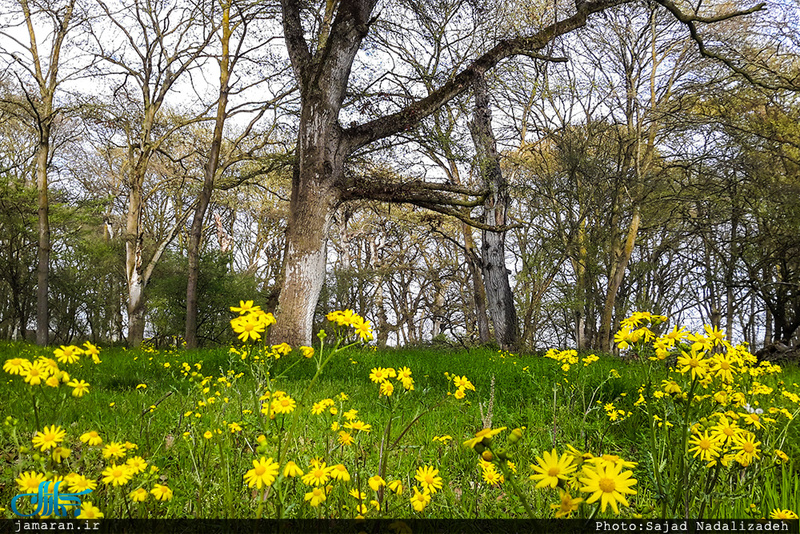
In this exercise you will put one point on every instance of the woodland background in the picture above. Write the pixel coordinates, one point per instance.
(648, 163)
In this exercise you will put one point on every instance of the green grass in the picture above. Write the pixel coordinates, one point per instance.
(206, 475)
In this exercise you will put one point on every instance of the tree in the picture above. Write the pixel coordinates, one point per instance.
(493, 248)
(159, 43)
(235, 47)
(323, 146)
(42, 67)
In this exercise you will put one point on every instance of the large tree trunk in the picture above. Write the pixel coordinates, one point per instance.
(314, 200)
(495, 274)
(310, 218)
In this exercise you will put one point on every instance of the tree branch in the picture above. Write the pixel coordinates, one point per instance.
(408, 117)
(689, 21)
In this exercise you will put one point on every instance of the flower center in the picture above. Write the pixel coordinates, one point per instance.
(607, 485)
(553, 471)
(748, 447)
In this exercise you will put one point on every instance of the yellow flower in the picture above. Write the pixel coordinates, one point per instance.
(345, 438)
(746, 444)
(263, 473)
(551, 469)
(725, 430)
(92, 438)
(318, 474)
(80, 388)
(137, 464)
(715, 335)
(321, 406)
(281, 350)
(364, 330)
(358, 425)
(69, 354)
(379, 374)
(79, 483)
(91, 350)
(751, 419)
(428, 479)
(722, 367)
(89, 511)
(245, 307)
(395, 486)
(307, 352)
(35, 373)
(292, 470)
(480, 436)
(443, 439)
(114, 450)
(420, 500)
(692, 362)
(459, 394)
(248, 327)
(386, 388)
(567, 504)
(608, 484)
(339, 472)
(491, 476)
(138, 495)
(59, 453)
(360, 495)
(463, 382)
(376, 482)
(781, 457)
(234, 427)
(161, 493)
(28, 482)
(625, 338)
(49, 438)
(15, 366)
(117, 475)
(782, 514)
(283, 404)
(207, 434)
(706, 447)
(316, 496)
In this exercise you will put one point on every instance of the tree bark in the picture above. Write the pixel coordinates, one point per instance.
(493, 262)
(478, 289)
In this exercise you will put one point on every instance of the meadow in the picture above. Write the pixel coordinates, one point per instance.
(681, 425)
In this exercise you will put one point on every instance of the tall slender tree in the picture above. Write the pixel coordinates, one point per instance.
(39, 60)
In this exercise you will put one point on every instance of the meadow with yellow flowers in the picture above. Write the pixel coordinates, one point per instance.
(683, 424)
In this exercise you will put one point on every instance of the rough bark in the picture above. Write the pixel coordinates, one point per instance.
(478, 289)
(493, 263)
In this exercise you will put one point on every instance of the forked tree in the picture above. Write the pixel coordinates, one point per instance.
(323, 71)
